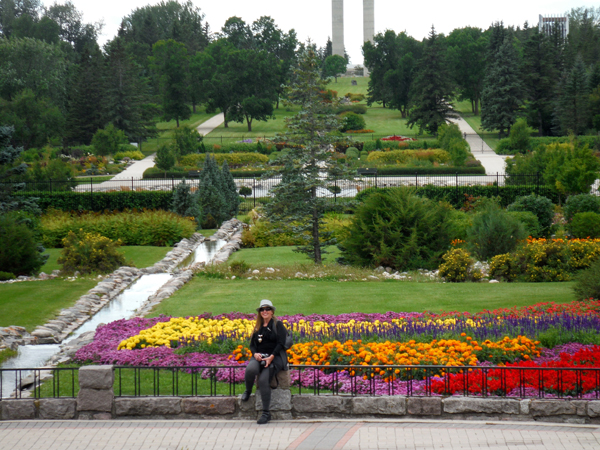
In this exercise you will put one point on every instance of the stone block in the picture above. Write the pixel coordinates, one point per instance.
(580, 407)
(281, 400)
(594, 408)
(250, 405)
(209, 406)
(551, 407)
(148, 406)
(95, 400)
(464, 405)
(524, 405)
(424, 406)
(389, 406)
(57, 408)
(281, 380)
(320, 404)
(96, 377)
(18, 409)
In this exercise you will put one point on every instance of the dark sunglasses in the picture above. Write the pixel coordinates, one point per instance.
(268, 308)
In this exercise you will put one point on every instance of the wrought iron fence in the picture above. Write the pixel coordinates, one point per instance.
(39, 382)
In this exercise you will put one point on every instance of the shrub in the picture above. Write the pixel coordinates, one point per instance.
(541, 206)
(239, 268)
(20, 253)
(458, 266)
(581, 203)
(584, 225)
(448, 133)
(352, 121)
(268, 234)
(131, 227)
(458, 149)
(5, 276)
(107, 141)
(233, 159)
(352, 152)
(587, 282)
(403, 156)
(131, 154)
(245, 191)
(90, 253)
(398, 229)
(494, 232)
(187, 203)
(186, 140)
(364, 154)
(356, 109)
(504, 267)
(459, 223)
(529, 221)
(519, 136)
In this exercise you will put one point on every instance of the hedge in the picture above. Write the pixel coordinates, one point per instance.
(100, 201)
(154, 174)
(455, 195)
(442, 170)
(504, 148)
(402, 156)
(233, 159)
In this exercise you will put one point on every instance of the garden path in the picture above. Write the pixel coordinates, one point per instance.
(492, 162)
(297, 434)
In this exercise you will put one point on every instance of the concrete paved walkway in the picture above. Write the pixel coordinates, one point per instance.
(206, 127)
(294, 435)
(492, 162)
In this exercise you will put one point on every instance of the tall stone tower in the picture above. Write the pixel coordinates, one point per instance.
(337, 38)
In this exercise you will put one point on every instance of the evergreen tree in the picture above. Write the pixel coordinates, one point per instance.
(212, 194)
(86, 95)
(308, 167)
(503, 92)
(572, 110)
(539, 80)
(164, 159)
(186, 203)
(232, 199)
(432, 88)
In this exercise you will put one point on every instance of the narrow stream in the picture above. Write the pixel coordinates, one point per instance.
(121, 307)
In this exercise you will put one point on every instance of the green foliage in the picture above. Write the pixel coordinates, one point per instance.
(458, 149)
(230, 193)
(245, 191)
(585, 225)
(404, 156)
(5, 276)
(108, 141)
(239, 268)
(264, 233)
(187, 203)
(572, 108)
(448, 133)
(352, 152)
(541, 206)
(100, 201)
(581, 203)
(529, 221)
(89, 253)
(519, 136)
(233, 159)
(158, 228)
(356, 109)
(20, 253)
(334, 66)
(351, 121)
(458, 266)
(131, 154)
(588, 282)
(560, 336)
(212, 193)
(398, 229)
(164, 159)
(504, 267)
(458, 223)
(494, 232)
(186, 141)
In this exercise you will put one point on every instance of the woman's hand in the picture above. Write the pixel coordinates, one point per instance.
(258, 357)
(269, 360)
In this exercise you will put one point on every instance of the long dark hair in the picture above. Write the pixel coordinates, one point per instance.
(259, 321)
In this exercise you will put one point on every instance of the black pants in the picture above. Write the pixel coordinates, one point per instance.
(264, 378)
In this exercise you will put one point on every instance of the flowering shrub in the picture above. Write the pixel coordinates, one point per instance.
(503, 267)
(458, 266)
(359, 131)
(403, 156)
(397, 138)
(90, 253)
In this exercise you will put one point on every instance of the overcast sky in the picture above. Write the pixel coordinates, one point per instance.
(312, 18)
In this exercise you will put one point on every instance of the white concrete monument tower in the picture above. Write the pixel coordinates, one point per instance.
(337, 38)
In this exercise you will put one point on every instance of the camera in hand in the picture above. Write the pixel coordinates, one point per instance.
(263, 356)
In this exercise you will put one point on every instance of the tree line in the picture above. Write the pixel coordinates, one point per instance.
(504, 72)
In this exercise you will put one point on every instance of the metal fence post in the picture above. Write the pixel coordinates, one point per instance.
(335, 191)
(132, 184)
(497, 184)
(254, 191)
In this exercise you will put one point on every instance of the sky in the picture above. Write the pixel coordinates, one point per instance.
(312, 18)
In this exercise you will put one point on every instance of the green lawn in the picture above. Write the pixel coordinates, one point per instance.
(465, 110)
(325, 297)
(384, 122)
(142, 256)
(278, 256)
(33, 303)
(344, 85)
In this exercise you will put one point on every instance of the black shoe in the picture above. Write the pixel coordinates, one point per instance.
(246, 396)
(264, 418)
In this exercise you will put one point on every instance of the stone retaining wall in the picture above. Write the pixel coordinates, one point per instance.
(96, 401)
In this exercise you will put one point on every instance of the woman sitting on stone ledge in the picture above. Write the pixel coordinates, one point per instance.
(267, 345)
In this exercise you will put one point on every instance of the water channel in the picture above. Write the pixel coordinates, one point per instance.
(121, 307)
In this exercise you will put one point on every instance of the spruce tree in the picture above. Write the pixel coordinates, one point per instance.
(432, 88)
(308, 168)
(232, 199)
(211, 193)
(502, 95)
(186, 203)
(164, 159)
(572, 110)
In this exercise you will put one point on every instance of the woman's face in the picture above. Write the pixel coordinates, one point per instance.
(266, 313)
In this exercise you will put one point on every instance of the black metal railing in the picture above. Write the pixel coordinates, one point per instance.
(411, 381)
(39, 382)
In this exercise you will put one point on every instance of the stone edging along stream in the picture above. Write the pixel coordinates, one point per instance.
(69, 319)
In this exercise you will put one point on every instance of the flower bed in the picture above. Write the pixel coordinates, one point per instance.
(505, 337)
